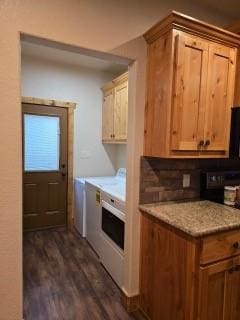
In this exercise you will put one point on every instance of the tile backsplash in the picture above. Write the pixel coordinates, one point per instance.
(162, 179)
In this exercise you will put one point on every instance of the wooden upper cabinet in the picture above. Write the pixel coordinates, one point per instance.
(115, 110)
(235, 27)
(220, 94)
(189, 96)
(190, 88)
(107, 114)
(121, 111)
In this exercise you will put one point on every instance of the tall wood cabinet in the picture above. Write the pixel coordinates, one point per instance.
(115, 110)
(190, 88)
(186, 278)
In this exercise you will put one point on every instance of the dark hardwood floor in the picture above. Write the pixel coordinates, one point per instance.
(63, 280)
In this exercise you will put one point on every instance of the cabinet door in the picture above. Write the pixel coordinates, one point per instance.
(167, 274)
(107, 115)
(121, 111)
(215, 291)
(234, 298)
(220, 94)
(191, 62)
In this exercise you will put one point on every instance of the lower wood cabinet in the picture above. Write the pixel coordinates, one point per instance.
(219, 297)
(176, 285)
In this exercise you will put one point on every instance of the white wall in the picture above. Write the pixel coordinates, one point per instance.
(47, 79)
(121, 156)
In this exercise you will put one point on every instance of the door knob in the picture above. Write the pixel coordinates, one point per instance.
(64, 174)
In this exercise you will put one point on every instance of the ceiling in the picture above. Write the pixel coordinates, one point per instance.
(230, 8)
(66, 57)
(146, 13)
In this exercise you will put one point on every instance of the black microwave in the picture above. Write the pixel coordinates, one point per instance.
(234, 148)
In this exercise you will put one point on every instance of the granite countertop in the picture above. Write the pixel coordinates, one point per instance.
(196, 218)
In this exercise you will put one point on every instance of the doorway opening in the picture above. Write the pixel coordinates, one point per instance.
(98, 88)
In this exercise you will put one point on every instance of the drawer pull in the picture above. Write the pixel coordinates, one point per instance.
(237, 268)
(231, 270)
(234, 269)
(201, 143)
(207, 143)
(236, 245)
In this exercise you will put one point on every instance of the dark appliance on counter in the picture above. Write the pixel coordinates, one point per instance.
(234, 149)
(212, 184)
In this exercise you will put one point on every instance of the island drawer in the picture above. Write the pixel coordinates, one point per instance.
(220, 246)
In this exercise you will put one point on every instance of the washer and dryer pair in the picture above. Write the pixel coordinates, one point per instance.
(100, 217)
(97, 183)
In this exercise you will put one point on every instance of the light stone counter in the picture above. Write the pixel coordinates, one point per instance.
(196, 218)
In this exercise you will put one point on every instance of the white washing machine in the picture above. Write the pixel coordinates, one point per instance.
(80, 206)
(93, 215)
(81, 203)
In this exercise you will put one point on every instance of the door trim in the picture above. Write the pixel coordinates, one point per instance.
(70, 108)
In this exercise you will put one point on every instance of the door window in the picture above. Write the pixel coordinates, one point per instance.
(41, 142)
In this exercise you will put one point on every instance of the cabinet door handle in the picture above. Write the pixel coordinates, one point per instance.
(237, 268)
(236, 245)
(234, 269)
(231, 270)
(207, 143)
(201, 143)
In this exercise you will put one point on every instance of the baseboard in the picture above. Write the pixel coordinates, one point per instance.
(140, 315)
(131, 304)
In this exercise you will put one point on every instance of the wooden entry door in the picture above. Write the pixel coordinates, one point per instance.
(44, 166)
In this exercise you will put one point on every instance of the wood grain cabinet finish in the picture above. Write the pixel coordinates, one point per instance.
(108, 114)
(235, 27)
(189, 96)
(190, 88)
(176, 283)
(219, 292)
(115, 110)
